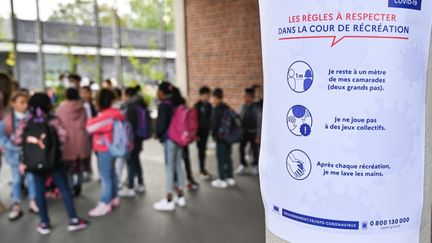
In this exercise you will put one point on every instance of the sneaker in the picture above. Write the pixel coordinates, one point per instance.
(126, 192)
(115, 203)
(43, 229)
(164, 205)
(100, 210)
(241, 170)
(205, 176)
(15, 212)
(192, 186)
(33, 208)
(78, 224)
(181, 201)
(219, 184)
(231, 182)
(254, 170)
(140, 189)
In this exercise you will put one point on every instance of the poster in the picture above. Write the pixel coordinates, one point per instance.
(342, 156)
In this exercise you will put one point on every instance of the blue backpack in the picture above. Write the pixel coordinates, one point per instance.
(122, 139)
(230, 130)
(143, 129)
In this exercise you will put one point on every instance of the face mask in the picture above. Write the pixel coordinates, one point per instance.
(20, 115)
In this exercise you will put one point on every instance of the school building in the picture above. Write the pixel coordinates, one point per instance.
(218, 44)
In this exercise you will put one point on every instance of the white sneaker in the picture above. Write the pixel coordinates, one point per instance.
(140, 189)
(241, 170)
(231, 182)
(181, 201)
(100, 210)
(219, 184)
(164, 205)
(126, 192)
(205, 176)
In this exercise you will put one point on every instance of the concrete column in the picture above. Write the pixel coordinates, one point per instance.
(426, 226)
(180, 46)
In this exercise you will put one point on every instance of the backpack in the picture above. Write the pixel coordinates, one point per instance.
(143, 129)
(122, 139)
(230, 130)
(41, 147)
(184, 126)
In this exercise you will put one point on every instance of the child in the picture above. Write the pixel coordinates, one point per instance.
(40, 113)
(249, 118)
(87, 100)
(134, 106)
(12, 121)
(170, 98)
(77, 149)
(204, 109)
(101, 127)
(223, 148)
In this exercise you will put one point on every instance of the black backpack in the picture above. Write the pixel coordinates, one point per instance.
(41, 147)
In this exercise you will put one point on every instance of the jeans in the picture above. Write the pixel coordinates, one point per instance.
(59, 178)
(108, 176)
(202, 148)
(134, 166)
(251, 139)
(173, 157)
(16, 184)
(225, 165)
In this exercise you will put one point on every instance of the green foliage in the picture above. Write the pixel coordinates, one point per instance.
(146, 14)
(81, 13)
(149, 14)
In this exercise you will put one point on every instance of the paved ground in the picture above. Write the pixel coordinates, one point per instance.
(230, 216)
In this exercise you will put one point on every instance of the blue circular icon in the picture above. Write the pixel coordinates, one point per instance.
(298, 164)
(299, 121)
(300, 76)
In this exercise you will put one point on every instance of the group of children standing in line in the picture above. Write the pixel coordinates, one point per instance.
(62, 138)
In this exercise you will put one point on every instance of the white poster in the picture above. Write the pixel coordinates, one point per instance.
(344, 119)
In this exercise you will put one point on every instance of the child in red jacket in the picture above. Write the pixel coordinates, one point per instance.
(101, 128)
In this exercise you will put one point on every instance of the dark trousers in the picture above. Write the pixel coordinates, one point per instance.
(187, 163)
(134, 166)
(60, 180)
(202, 148)
(225, 165)
(249, 138)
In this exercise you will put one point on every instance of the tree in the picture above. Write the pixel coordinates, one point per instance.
(145, 14)
(81, 13)
(149, 14)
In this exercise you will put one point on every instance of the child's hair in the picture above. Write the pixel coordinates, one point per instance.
(250, 91)
(132, 91)
(105, 98)
(172, 92)
(86, 88)
(72, 94)
(74, 77)
(204, 90)
(118, 93)
(39, 105)
(218, 93)
(17, 94)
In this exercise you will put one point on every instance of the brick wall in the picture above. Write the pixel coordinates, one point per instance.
(223, 46)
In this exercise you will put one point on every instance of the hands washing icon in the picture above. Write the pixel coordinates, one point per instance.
(298, 165)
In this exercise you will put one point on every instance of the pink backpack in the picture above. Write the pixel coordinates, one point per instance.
(184, 126)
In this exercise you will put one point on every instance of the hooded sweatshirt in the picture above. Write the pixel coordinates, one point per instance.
(73, 117)
(101, 127)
